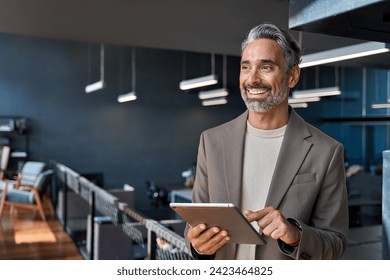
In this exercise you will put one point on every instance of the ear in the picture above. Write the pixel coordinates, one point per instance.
(294, 76)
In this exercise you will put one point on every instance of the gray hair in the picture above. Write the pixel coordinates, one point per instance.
(291, 49)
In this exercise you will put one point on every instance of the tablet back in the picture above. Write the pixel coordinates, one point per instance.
(226, 216)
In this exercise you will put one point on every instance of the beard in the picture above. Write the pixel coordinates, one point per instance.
(272, 100)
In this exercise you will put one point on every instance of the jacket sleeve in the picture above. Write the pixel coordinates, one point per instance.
(325, 235)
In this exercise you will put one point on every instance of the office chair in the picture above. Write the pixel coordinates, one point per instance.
(29, 173)
(26, 176)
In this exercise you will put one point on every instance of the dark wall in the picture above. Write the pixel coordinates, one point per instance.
(156, 137)
(348, 117)
(153, 138)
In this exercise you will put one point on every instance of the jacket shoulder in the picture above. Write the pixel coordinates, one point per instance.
(320, 136)
(312, 133)
(222, 129)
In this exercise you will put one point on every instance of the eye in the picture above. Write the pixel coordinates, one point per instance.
(266, 67)
(245, 67)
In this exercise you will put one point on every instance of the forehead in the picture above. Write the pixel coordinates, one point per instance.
(262, 49)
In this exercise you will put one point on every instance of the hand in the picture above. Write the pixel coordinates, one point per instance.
(275, 225)
(207, 241)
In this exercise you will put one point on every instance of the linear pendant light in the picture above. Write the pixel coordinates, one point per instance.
(299, 105)
(303, 100)
(214, 101)
(219, 92)
(127, 97)
(318, 92)
(201, 81)
(131, 96)
(344, 53)
(380, 106)
(101, 83)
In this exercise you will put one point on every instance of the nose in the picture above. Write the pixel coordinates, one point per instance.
(253, 77)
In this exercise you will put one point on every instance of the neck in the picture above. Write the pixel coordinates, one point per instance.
(271, 119)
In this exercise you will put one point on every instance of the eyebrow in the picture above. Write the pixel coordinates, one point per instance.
(259, 60)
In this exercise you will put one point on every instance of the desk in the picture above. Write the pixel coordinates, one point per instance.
(184, 195)
(364, 243)
(360, 202)
(363, 212)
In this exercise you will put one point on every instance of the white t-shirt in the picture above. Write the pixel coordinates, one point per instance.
(260, 155)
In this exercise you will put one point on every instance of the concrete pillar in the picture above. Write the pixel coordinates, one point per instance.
(386, 206)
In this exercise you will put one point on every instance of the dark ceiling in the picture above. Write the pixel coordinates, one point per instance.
(216, 26)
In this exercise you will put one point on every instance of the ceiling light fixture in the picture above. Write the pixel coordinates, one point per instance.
(201, 81)
(303, 100)
(220, 92)
(214, 101)
(318, 92)
(380, 106)
(127, 97)
(99, 84)
(131, 96)
(299, 105)
(344, 53)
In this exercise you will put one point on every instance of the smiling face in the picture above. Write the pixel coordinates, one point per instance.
(264, 78)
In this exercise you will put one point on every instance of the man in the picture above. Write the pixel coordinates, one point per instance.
(286, 175)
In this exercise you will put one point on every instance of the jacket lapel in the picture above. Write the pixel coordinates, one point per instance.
(292, 153)
(233, 152)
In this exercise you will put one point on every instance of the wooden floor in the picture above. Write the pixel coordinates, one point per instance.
(24, 236)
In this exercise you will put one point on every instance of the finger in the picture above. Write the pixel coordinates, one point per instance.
(272, 217)
(194, 232)
(222, 241)
(279, 232)
(287, 233)
(204, 237)
(257, 215)
(277, 229)
(213, 244)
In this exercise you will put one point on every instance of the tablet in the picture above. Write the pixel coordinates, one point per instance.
(226, 216)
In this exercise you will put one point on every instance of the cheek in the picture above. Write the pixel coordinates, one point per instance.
(276, 83)
(241, 77)
(241, 80)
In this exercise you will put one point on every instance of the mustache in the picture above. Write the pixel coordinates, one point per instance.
(257, 86)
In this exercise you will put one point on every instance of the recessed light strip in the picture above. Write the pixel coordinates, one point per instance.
(344, 53)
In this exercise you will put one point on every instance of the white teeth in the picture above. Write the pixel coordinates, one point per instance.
(256, 91)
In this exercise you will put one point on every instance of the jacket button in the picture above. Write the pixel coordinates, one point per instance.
(305, 256)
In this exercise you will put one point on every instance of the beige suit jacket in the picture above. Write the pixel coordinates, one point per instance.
(308, 185)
